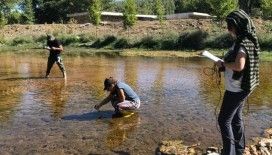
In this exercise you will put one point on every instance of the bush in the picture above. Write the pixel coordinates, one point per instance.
(121, 44)
(265, 41)
(69, 39)
(194, 40)
(85, 38)
(22, 40)
(148, 42)
(220, 41)
(107, 41)
(169, 42)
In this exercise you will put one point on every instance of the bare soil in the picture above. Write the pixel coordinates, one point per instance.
(139, 30)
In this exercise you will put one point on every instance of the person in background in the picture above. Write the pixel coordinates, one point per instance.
(121, 95)
(55, 48)
(241, 72)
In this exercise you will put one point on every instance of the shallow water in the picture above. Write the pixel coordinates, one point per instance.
(54, 116)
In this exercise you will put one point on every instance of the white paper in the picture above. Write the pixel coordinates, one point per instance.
(210, 56)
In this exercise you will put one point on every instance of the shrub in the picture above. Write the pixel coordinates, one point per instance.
(194, 40)
(69, 39)
(107, 41)
(83, 38)
(121, 44)
(220, 41)
(148, 42)
(265, 41)
(22, 40)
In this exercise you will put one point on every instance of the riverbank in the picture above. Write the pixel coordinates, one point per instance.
(261, 145)
(82, 51)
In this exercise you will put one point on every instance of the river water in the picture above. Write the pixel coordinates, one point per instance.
(54, 116)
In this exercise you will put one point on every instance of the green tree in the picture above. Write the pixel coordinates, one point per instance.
(95, 12)
(129, 13)
(145, 7)
(266, 6)
(159, 10)
(169, 6)
(222, 8)
(14, 17)
(2, 20)
(27, 16)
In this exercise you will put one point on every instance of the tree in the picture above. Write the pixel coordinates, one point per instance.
(169, 6)
(27, 16)
(129, 13)
(266, 6)
(145, 7)
(159, 10)
(2, 20)
(95, 12)
(222, 8)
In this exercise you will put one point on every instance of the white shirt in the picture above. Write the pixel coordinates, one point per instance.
(231, 84)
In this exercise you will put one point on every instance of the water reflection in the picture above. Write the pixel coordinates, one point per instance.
(119, 129)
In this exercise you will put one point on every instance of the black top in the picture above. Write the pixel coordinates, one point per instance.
(54, 43)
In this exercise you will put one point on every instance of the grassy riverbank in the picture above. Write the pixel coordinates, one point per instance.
(84, 52)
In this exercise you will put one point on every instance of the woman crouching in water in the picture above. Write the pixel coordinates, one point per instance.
(121, 95)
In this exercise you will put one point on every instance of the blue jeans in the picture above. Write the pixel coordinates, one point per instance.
(231, 123)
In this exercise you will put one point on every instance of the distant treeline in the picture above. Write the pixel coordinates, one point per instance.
(55, 11)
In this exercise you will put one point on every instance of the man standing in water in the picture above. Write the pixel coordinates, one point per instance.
(55, 48)
(121, 95)
(241, 65)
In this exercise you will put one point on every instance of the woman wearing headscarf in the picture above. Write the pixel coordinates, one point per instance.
(241, 72)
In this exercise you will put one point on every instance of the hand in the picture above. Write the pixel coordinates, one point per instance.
(48, 48)
(219, 63)
(97, 107)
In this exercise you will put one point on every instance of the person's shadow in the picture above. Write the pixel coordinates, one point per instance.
(90, 116)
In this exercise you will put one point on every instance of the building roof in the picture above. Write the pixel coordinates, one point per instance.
(116, 14)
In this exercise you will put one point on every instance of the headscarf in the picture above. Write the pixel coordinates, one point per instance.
(244, 25)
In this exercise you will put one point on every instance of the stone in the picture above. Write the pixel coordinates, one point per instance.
(268, 133)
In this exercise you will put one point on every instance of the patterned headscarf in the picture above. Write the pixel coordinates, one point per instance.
(244, 25)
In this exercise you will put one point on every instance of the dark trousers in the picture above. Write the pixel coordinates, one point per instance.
(231, 123)
(51, 61)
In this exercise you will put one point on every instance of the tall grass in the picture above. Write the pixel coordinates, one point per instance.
(191, 40)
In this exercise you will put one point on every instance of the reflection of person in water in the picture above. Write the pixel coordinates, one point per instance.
(58, 99)
(120, 128)
(121, 95)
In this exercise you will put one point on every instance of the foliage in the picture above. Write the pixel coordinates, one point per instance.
(265, 41)
(193, 6)
(220, 41)
(145, 6)
(193, 40)
(95, 12)
(159, 10)
(3, 21)
(14, 17)
(22, 40)
(169, 6)
(121, 44)
(129, 13)
(222, 8)
(266, 6)
(27, 16)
